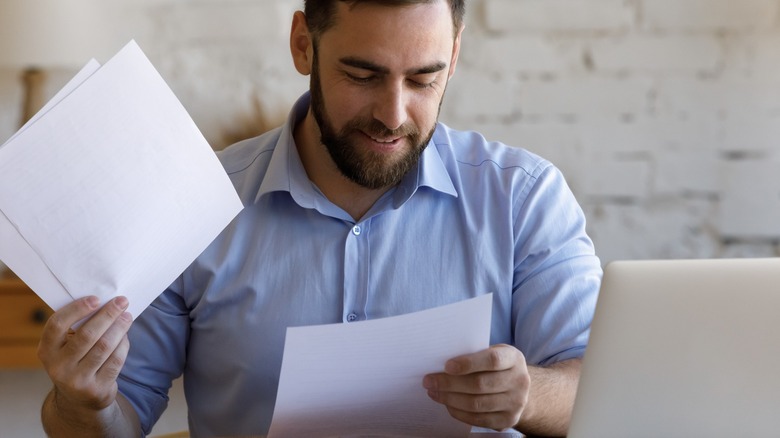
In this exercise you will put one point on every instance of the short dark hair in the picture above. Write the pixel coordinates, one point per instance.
(320, 13)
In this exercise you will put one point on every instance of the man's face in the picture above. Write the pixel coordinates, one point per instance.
(377, 83)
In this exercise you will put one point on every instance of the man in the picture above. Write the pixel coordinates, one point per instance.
(361, 206)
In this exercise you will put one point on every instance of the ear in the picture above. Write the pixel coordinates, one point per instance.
(455, 53)
(301, 44)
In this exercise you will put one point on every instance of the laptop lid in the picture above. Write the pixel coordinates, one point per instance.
(683, 348)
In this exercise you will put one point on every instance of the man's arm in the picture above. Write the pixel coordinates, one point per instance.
(84, 365)
(551, 399)
(63, 419)
(494, 388)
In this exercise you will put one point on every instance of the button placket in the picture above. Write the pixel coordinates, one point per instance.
(356, 266)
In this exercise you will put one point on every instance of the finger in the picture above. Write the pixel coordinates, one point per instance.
(57, 328)
(496, 358)
(105, 346)
(498, 421)
(474, 403)
(80, 343)
(112, 366)
(493, 382)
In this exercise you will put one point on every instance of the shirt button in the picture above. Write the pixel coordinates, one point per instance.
(352, 317)
(356, 230)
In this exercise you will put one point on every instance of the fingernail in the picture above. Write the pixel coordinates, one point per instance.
(126, 316)
(93, 301)
(429, 382)
(121, 303)
(452, 367)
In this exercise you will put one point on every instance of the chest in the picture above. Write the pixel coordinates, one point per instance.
(319, 269)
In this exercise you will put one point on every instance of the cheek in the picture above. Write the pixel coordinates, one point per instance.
(424, 112)
(343, 106)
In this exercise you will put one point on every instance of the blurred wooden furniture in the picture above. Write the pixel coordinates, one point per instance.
(22, 317)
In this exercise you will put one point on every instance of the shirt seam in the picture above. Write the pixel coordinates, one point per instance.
(251, 162)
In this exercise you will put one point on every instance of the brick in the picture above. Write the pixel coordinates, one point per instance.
(680, 171)
(712, 96)
(644, 53)
(764, 59)
(558, 15)
(750, 201)
(751, 133)
(706, 15)
(609, 137)
(651, 134)
(586, 96)
(224, 21)
(684, 153)
(656, 228)
(493, 96)
(617, 179)
(520, 54)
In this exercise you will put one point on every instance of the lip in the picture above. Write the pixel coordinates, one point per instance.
(383, 144)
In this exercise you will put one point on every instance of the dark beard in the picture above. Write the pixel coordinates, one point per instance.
(365, 168)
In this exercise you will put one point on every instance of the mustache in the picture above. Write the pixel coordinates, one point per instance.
(375, 128)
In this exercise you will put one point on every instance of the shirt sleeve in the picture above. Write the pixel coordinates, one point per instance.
(557, 274)
(158, 339)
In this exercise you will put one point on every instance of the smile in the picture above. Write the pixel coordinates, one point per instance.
(388, 141)
(386, 144)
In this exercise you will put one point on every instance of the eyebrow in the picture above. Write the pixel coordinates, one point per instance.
(370, 66)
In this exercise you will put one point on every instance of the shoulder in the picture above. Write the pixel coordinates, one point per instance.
(248, 153)
(247, 162)
(470, 157)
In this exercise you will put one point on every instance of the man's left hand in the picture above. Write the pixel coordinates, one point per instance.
(486, 389)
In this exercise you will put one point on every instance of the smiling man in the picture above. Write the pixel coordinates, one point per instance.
(360, 206)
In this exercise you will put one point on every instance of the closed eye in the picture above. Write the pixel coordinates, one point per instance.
(421, 84)
(360, 79)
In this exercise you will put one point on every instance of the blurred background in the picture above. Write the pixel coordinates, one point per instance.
(663, 114)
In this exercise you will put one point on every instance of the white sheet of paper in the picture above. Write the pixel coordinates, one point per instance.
(15, 252)
(113, 187)
(365, 378)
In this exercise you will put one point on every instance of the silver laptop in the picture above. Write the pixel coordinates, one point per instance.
(683, 348)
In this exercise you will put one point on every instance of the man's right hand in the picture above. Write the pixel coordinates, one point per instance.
(84, 363)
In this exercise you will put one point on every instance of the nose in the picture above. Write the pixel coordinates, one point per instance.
(390, 107)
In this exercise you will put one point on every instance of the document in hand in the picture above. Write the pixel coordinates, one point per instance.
(110, 189)
(365, 378)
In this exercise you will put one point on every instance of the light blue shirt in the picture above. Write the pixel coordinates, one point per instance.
(473, 217)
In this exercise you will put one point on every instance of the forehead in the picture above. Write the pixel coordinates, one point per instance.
(377, 32)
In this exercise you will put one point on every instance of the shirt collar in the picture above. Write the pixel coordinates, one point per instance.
(286, 173)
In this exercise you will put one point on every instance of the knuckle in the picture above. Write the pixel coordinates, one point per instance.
(58, 376)
(481, 404)
(87, 333)
(102, 347)
(55, 324)
(482, 383)
(496, 358)
(114, 363)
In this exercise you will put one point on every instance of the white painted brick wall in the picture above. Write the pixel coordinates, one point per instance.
(750, 204)
(493, 100)
(664, 115)
(520, 54)
(586, 96)
(658, 54)
(558, 15)
(709, 15)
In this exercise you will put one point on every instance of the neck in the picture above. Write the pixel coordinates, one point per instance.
(353, 198)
